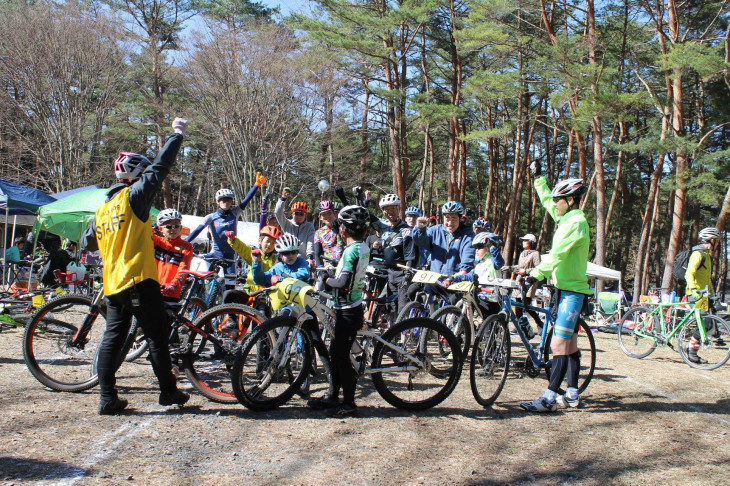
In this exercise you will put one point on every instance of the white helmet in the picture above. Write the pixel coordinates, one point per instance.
(287, 242)
(529, 237)
(389, 200)
(166, 215)
(224, 193)
(708, 234)
(569, 188)
(129, 166)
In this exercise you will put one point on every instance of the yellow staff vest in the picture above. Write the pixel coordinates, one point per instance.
(125, 244)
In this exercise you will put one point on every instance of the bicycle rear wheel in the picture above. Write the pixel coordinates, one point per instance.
(53, 352)
(455, 319)
(421, 366)
(587, 348)
(713, 353)
(207, 362)
(490, 360)
(637, 332)
(271, 364)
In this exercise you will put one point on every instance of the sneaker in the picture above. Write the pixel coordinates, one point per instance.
(694, 357)
(564, 401)
(539, 405)
(173, 398)
(112, 407)
(342, 410)
(322, 403)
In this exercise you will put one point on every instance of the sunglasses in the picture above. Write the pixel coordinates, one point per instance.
(172, 226)
(299, 213)
(287, 253)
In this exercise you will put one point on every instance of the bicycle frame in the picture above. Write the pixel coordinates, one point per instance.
(666, 337)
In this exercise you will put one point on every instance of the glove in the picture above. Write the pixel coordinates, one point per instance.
(230, 235)
(494, 251)
(311, 262)
(357, 191)
(260, 179)
(529, 281)
(275, 279)
(256, 253)
(285, 193)
(696, 295)
(446, 283)
(180, 125)
(536, 168)
(340, 192)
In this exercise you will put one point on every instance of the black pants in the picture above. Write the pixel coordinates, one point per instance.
(343, 375)
(153, 319)
(395, 286)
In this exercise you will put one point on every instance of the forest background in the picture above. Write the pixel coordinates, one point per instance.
(432, 100)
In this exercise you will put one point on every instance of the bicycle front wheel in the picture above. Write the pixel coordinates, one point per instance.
(637, 332)
(208, 362)
(57, 352)
(490, 360)
(587, 349)
(419, 367)
(412, 310)
(271, 364)
(715, 351)
(455, 319)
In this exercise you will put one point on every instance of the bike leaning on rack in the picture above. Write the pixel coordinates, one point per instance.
(491, 355)
(415, 364)
(643, 329)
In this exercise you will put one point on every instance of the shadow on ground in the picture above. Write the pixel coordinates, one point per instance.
(13, 468)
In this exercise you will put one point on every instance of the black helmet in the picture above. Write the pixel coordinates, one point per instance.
(354, 217)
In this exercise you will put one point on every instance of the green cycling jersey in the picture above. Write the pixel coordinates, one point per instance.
(567, 261)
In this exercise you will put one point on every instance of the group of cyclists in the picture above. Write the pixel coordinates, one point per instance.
(142, 266)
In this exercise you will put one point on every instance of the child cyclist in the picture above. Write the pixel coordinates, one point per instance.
(267, 243)
(327, 245)
(291, 264)
(348, 287)
(225, 219)
(172, 253)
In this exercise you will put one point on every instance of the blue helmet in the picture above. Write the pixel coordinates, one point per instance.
(452, 207)
(413, 210)
(481, 224)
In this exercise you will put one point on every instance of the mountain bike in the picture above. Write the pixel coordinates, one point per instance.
(490, 358)
(642, 329)
(415, 364)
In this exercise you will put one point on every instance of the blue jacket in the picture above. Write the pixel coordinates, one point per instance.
(299, 270)
(448, 255)
(220, 222)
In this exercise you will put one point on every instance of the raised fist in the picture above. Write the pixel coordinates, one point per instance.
(536, 168)
(180, 125)
(285, 193)
(422, 222)
(260, 179)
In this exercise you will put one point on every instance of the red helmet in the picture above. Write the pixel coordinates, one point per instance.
(270, 231)
(300, 206)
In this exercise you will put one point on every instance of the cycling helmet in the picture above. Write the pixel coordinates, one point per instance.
(413, 210)
(168, 215)
(287, 242)
(479, 224)
(452, 207)
(354, 217)
(129, 166)
(223, 194)
(708, 234)
(480, 239)
(569, 187)
(300, 206)
(494, 239)
(389, 200)
(271, 231)
(325, 206)
(529, 237)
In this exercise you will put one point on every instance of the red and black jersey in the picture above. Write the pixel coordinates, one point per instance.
(171, 256)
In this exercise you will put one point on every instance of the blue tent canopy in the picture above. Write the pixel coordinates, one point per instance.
(23, 199)
(60, 195)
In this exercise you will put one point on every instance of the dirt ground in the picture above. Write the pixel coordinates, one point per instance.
(651, 421)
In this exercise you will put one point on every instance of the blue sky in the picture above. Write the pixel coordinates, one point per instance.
(286, 6)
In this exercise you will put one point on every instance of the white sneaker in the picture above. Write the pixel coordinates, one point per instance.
(541, 405)
(565, 401)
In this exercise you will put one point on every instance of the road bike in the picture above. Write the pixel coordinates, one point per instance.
(414, 365)
(642, 329)
(491, 355)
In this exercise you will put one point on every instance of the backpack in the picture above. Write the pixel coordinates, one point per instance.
(679, 269)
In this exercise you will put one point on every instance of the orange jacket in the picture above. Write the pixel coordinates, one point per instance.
(171, 256)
